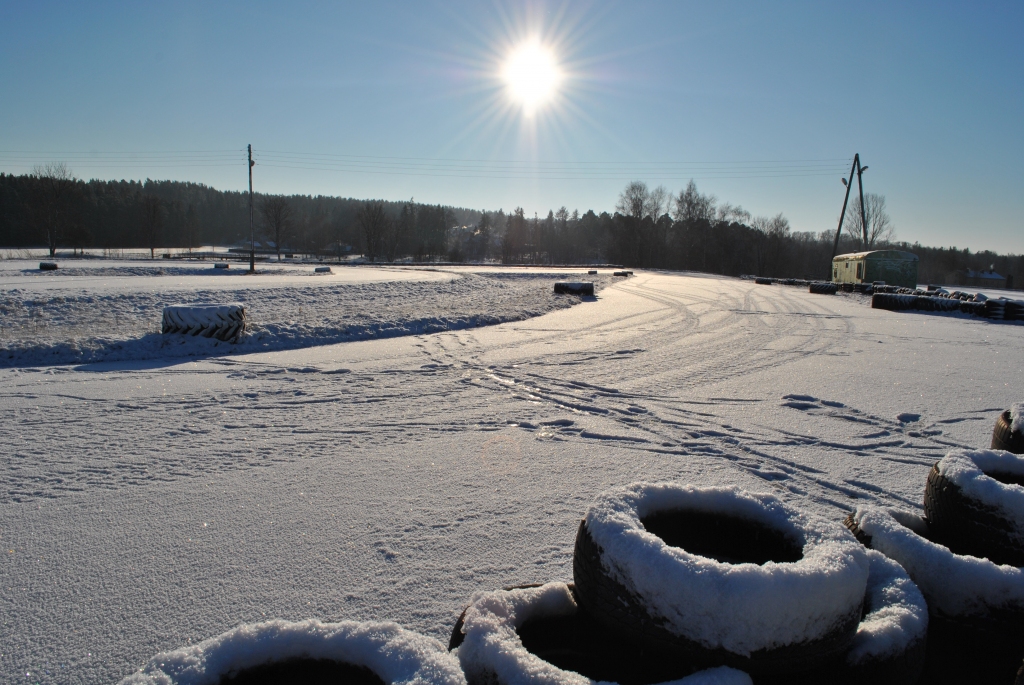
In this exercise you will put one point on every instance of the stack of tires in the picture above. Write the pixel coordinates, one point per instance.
(823, 288)
(708, 585)
(967, 556)
(760, 280)
(892, 301)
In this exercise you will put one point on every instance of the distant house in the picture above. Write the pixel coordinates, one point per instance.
(894, 267)
(981, 279)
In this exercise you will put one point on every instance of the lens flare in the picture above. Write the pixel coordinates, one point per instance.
(531, 75)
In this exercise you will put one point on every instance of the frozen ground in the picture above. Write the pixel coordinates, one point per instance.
(109, 311)
(147, 505)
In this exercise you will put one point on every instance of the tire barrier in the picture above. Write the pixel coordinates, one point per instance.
(541, 634)
(976, 608)
(763, 281)
(223, 322)
(221, 265)
(592, 272)
(1014, 310)
(974, 504)
(889, 647)
(308, 651)
(682, 570)
(47, 266)
(863, 288)
(322, 270)
(574, 288)
(995, 309)
(892, 302)
(1008, 433)
(822, 288)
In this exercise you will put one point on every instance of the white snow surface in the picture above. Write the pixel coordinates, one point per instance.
(116, 317)
(953, 585)
(491, 645)
(739, 607)
(146, 505)
(395, 655)
(897, 615)
(968, 468)
(1017, 417)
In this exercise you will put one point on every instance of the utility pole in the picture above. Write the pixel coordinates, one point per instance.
(252, 230)
(855, 169)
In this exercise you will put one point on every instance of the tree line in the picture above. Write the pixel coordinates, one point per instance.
(650, 228)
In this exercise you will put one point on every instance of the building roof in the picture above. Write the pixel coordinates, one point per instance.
(878, 254)
(971, 273)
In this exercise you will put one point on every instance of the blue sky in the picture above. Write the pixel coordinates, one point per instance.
(761, 103)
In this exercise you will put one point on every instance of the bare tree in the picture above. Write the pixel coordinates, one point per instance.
(374, 223)
(152, 222)
(634, 200)
(658, 202)
(277, 219)
(56, 181)
(692, 205)
(879, 226)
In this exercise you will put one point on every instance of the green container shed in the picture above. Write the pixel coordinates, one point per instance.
(894, 267)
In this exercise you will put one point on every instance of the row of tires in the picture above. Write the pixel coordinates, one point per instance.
(995, 309)
(708, 585)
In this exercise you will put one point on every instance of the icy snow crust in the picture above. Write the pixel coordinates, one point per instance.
(953, 585)
(897, 615)
(491, 644)
(113, 323)
(396, 655)
(739, 607)
(967, 469)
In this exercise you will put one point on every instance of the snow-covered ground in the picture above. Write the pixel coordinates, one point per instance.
(147, 505)
(102, 311)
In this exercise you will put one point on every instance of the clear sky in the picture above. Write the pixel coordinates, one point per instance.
(763, 104)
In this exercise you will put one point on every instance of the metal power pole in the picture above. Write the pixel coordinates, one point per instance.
(252, 231)
(842, 215)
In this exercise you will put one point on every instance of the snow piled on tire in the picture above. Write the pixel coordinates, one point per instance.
(968, 469)
(953, 585)
(394, 654)
(897, 615)
(492, 646)
(742, 608)
(1017, 418)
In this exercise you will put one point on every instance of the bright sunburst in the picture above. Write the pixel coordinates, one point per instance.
(531, 75)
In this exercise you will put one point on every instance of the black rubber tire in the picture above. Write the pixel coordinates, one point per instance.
(1003, 436)
(620, 611)
(763, 281)
(304, 670)
(823, 288)
(967, 526)
(892, 302)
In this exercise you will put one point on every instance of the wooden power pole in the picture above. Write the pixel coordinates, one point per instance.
(252, 230)
(855, 169)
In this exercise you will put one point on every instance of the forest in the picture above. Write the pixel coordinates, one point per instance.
(650, 228)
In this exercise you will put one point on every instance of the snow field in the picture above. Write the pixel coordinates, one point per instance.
(153, 504)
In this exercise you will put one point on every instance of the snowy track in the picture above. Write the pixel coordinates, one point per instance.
(146, 507)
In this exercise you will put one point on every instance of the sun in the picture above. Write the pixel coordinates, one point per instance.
(532, 75)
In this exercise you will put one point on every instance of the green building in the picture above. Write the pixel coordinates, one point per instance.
(894, 267)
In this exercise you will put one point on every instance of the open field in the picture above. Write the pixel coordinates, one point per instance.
(150, 503)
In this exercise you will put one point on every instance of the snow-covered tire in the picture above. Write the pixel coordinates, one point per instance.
(974, 503)
(1008, 433)
(225, 322)
(367, 652)
(956, 586)
(540, 634)
(889, 647)
(784, 599)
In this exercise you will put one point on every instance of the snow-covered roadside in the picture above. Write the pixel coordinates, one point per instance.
(69, 327)
(147, 506)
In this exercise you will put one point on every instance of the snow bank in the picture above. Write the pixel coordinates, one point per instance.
(967, 469)
(1017, 418)
(897, 616)
(75, 327)
(492, 646)
(953, 585)
(739, 607)
(393, 653)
